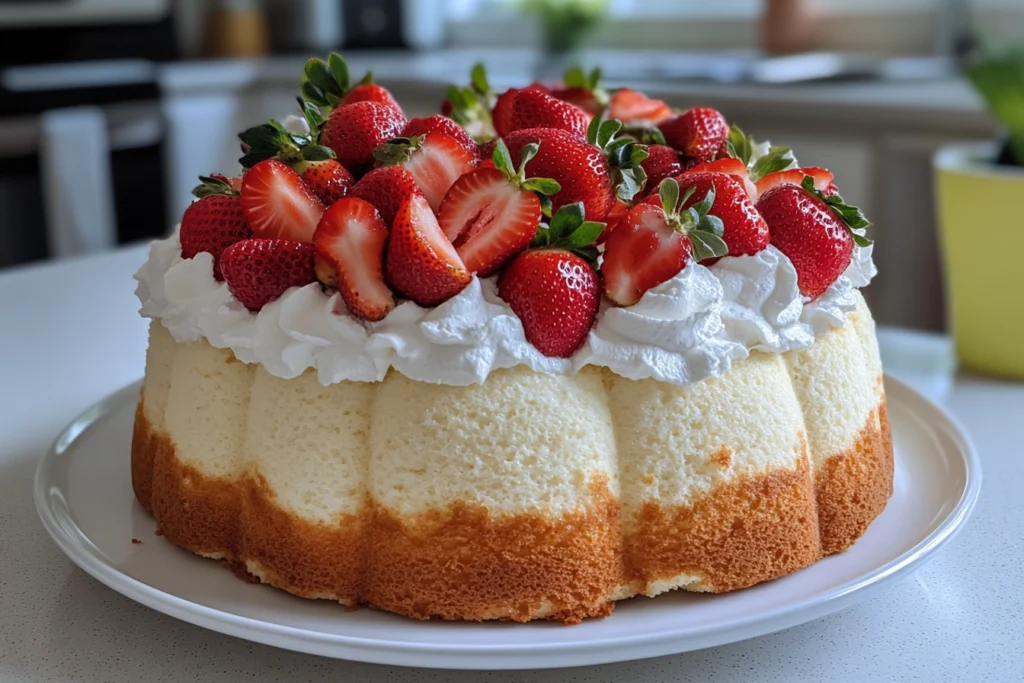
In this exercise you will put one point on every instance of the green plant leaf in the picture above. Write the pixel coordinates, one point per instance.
(530, 150)
(318, 153)
(339, 70)
(585, 235)
(367, 78)
(775, 160)
(851, 216)
(314, 94)
(319, 74)
(502, 159)
(593, 128)
(542, 238)
(606, 131)
(312, 115)
(707, 245)
(545, 205)
(574, 77)
(706, 203)
(712, 224)
(544, 186)
(209, 186)
(565, 220)
(668, 193)
(738, 145)
(628, 182)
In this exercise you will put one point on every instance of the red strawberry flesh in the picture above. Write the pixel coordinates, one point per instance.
(278, 204)
(643, 252)
(421, 263)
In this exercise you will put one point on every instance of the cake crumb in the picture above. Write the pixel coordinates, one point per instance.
(136, 541)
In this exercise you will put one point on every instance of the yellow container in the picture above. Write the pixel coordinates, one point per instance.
(981, 219)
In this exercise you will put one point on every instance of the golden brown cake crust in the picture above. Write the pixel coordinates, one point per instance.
(463, 563)
(748, 530)
(853, 487)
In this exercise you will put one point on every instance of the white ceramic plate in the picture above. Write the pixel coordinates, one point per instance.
(84, 497)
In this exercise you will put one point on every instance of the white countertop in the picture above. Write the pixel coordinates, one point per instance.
(69, 335)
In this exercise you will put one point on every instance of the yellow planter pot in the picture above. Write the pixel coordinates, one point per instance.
(981, 219)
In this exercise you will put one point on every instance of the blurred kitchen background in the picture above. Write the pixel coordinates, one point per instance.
(109, 109)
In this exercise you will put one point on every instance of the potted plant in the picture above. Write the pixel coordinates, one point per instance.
(979, 190)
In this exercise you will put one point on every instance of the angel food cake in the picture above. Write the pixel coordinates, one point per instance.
(550, 350)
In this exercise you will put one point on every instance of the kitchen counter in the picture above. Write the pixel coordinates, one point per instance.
(70, 336)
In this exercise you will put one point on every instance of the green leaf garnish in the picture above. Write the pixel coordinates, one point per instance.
(213, 186)
(775, 160)
(738, 145)
(707, 245)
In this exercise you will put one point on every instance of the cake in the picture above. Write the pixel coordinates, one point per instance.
(400, 383)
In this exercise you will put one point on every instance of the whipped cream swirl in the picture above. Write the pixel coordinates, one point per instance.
(687, 329)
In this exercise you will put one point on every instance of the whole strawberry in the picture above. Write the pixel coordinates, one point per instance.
(214, 222)
(354, 130)
(386, 188)
(746, 232)
(327, 178)
(595, 171)
(553, 288)
(817, 232)
(327, 84)
(656, 240)
(501, 113)
(436, 123)
(662, 162)
(536, 109)
(697, 132)
(257, 271)
(371, 92)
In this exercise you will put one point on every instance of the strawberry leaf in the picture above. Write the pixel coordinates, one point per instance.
(366, 79)
(775, 160)
(565, 220)
(739, 146)
(209, 186)
(707, 245)
(545, 205)
(628, 182)
(544, 186)
(575, 78)
(319, 74)
(397, 150)
(606, 132)
(318, 153)
(706, 203)
(312, 115)
(668, 193)
(314, 94)
(529, 151)
(593, 128)
(478, 79)
(585, 235)
(502, 159)
(339, 70)
(850, 216)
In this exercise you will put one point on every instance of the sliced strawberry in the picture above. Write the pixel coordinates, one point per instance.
(421, 263)
(349, 244)
(636, 109)
(435, 161)
(328, 179)
(697, 132)
(214, 222)
(277, 204)
(386, 188)
(536, 109)
(656, 240)
(794, 176)
(491, 214)
(257, 271)
(730, 166)
(440, 124)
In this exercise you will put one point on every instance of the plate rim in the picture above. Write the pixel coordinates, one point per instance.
(476, 656)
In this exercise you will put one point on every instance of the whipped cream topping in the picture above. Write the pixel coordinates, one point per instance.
(687, 329)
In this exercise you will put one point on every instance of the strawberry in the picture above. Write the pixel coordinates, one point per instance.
(371, 92)
(655, 241)
(354, 130)
(327, 178)
(491, 214)
(614, 219)
(746, 233)
(349, 244)
(258, 271)
(636, 109)
(214, 222)
(386, 188)
(794, 176)
(234, 182)
(501, 113)
(731, 166)
(421, 263)
(582, 90)
(662, 162)
(435, 161)
(536, 109)
(817, 232)
(440, 124)
(554, 288)
(470, 106)
(595, 172)
(697, 132)
(278, 204)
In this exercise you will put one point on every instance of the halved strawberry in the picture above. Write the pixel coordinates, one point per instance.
(257, 271)
(349, 244)
(214, 222)
(277, 204)
(536, 109)
(731, 166)
(554, 288)
(636, 109)
(421, 263)
(435, 161)
(697, 132)
(822, 178)
(436, 123)
(386, 188)
(327, 178)
(655, 241)
(491, 214)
